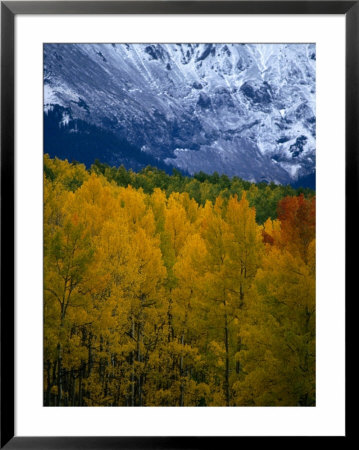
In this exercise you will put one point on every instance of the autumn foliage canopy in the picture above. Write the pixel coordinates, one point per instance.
(156, 299)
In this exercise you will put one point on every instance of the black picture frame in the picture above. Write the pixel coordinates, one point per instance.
(9, 9)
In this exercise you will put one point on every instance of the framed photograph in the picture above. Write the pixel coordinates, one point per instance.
(174, 187)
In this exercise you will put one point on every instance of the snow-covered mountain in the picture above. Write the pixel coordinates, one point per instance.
(239, 109)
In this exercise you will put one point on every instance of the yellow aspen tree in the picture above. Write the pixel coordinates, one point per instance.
(245, 243)
(217, 299)
(187, 313)
(279, 354)
(67, 257)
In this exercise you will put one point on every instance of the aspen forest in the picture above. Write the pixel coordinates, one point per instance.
(171, 290)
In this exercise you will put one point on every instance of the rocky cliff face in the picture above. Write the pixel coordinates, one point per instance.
(239, 109)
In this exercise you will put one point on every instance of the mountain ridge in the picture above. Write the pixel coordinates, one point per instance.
(239, 109)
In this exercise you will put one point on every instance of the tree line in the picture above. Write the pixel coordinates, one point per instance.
(201, 187)
(153, 297)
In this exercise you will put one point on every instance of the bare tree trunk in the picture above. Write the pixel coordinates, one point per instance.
(48, 388)
(80, 387)
(53, 398)
(59, 375)
(181, 375)
(139, 360)
(133, 369)
(169, 318)
(90, 358)
(226, 342)
(241, 291)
